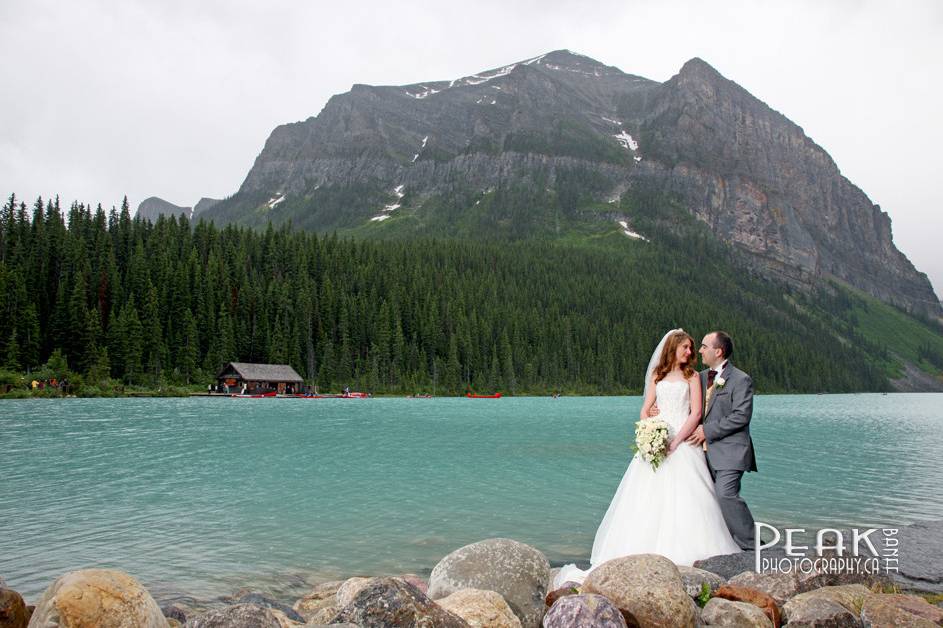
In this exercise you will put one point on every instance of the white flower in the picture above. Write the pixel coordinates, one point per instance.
(719, 382)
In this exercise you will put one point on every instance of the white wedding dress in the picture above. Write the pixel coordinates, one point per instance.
(672, 511)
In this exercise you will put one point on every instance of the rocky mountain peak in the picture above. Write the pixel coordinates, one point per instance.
(571, 133)
(700, 69)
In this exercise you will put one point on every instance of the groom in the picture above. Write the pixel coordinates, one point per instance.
(725, 426)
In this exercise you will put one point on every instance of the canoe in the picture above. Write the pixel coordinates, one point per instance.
(494, 396)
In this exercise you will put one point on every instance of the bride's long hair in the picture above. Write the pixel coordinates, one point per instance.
(666, 362)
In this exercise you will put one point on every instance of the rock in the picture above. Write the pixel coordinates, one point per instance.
(920, 563)
(584, 611)
(173, 611)
(849, 596)
(320, 598)
(646, 588)
(484, 609)
(97, 597)
(283, 619)
(416, 581)
(895, 609)
(236, 616)
(13, 611)
(692, 578)
(551, 578)
(324, 615)
(518, 572)
(721, 612)
(389, 602)
(260, 600)
(761, 600)
(779, 586)
(568, 588)
(727, 565)
(819, 612)
(350, 588)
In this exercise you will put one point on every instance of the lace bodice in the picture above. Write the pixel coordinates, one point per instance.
(674, 402)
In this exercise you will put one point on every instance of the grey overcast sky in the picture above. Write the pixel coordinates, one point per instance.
(175, 98)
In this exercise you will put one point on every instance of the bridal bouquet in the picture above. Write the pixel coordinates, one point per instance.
(651, 441)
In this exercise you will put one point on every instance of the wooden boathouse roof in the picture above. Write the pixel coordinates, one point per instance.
(262, 372)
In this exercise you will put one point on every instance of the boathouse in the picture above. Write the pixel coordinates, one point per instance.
(259, 378)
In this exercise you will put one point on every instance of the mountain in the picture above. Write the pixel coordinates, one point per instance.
(153, 207)
(203, 204)
(562, 146)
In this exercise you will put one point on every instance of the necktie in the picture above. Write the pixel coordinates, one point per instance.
(711, 374)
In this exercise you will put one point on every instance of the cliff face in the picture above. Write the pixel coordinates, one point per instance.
(568, 125)
(759, 182)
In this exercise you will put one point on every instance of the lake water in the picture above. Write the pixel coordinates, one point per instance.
(203, 496)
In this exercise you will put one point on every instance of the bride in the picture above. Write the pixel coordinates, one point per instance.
(672, 511)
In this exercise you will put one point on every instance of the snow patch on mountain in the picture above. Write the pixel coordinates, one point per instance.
(626, 141)
(632, 234)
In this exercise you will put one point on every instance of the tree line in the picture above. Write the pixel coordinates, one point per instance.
(123, 300)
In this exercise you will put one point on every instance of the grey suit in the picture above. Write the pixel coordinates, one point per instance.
(730, 453)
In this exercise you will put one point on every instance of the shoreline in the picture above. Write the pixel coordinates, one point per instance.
(156, 394)
(510, 576)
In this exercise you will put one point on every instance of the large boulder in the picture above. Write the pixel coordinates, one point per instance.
(920, 566)
(820, 612)
(896, 609)
(266, 602)
(320, 605)
(694, 579)
(13, 611)
(849, 596)
(481, 609)
(175, 612)
(236, 616)
(584, 611)
(727, 565)
(779, 586)
(761, 600)
(350, 588)
(416, 581)
(518, 572)
(647, 588)
(721, 612)
(102, 598)
(390, 602)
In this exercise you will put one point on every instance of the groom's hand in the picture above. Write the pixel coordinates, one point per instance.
(653, 411)
(697, 436)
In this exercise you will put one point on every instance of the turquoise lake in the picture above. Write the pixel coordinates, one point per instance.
(206, 495)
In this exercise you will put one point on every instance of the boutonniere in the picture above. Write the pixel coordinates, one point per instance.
(719, 382)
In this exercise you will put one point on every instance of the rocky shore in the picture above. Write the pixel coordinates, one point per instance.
(501, 583)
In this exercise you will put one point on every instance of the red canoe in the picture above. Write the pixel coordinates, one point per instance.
(494, 396)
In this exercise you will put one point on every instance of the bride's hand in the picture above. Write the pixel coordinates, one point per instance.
(672, 446)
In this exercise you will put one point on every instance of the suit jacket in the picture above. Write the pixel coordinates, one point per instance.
(726, 421)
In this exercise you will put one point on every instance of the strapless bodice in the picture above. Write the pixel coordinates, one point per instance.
(674, 402)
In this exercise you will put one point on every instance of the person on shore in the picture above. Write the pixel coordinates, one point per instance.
(673, 510)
